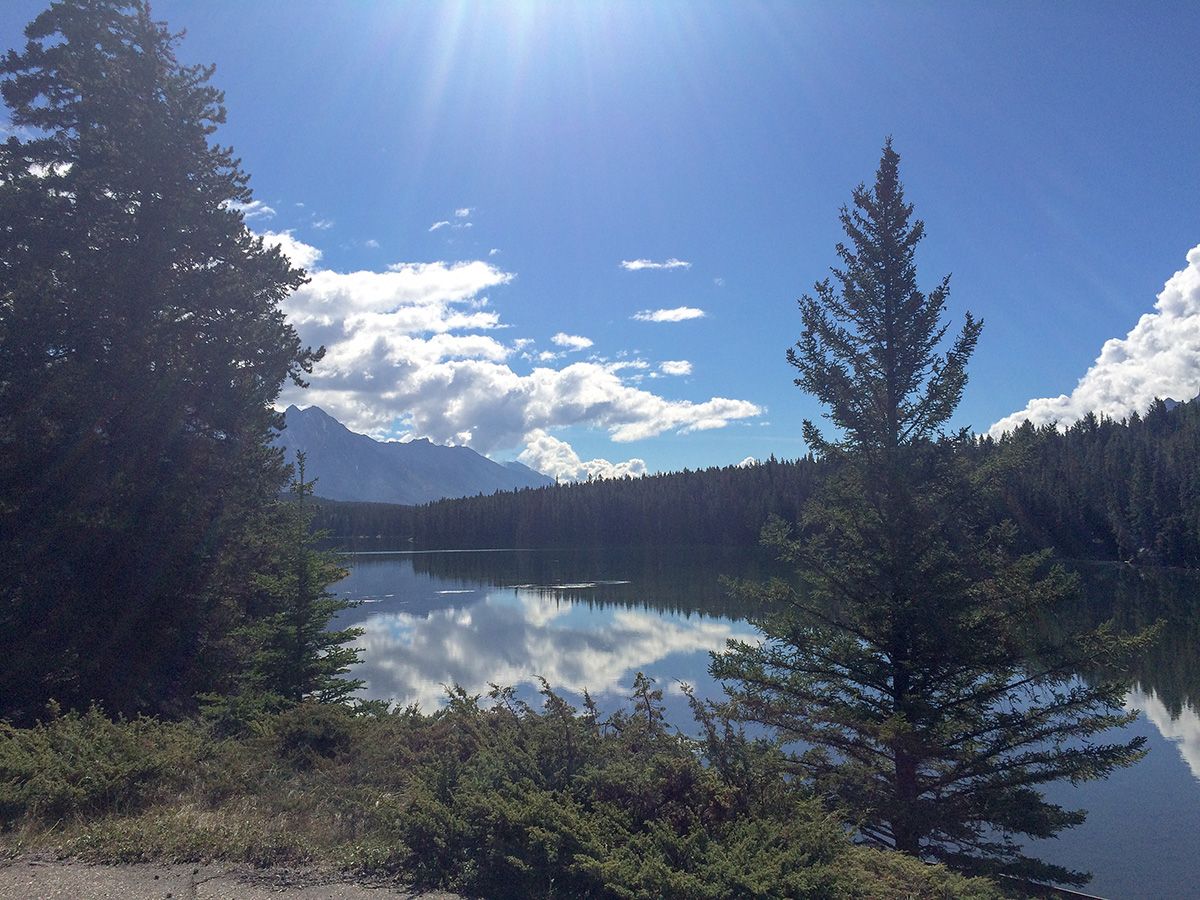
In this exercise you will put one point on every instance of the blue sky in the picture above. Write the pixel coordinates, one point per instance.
(1053, 150)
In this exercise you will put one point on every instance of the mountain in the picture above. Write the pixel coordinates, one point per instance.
(349, 466)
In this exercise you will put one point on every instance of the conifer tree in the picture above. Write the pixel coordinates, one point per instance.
(142, 345)
(293, 655)
(908, 665)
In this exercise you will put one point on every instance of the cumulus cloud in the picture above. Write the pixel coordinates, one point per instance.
(302, 255)
(436, 225)
(370, 321)
(571, 341)
(558, 459)
(38, 170)
(678, 314)
(486, 405)
(462, 212)
(322, 224)
(675, 367)
(748, 462)
(493, 251)
(1160, 357)
(636, 265)
(372, 243)
(417, 347)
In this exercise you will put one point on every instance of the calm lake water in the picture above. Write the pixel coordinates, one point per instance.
(593, 619)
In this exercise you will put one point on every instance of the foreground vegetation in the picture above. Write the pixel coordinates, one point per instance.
(495, 799)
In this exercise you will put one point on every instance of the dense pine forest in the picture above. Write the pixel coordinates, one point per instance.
(1100, 489)
(1110, 490)
(715, 506)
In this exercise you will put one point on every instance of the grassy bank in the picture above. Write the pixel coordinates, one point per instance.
(494, 799)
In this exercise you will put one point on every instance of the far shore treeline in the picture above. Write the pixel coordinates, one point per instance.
(1100, 489)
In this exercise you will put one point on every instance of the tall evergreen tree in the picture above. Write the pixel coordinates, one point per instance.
(909, 663)
(141, 348)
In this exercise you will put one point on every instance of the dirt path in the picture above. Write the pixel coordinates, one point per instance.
(46, 878)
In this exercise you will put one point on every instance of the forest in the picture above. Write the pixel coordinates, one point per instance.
(1098, 489)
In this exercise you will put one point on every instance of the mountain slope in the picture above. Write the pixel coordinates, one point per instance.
(351, 466)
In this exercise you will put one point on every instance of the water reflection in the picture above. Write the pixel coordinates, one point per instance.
(579, 620)
(1167, 675)
(1181, 728)
(512, 636)
(593, 618)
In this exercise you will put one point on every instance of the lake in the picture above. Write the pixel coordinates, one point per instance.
(593, 619)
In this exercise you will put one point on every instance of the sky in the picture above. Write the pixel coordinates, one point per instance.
(575, 233)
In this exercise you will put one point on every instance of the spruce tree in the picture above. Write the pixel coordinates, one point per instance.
(142, 345)
(908, 670)
(294, 657)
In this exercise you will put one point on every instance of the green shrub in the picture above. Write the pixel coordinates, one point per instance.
(84, 764)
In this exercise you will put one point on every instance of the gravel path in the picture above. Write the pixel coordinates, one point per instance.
(46, 878)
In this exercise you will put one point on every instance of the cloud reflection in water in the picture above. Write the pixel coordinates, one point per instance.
(513, 635)
(1183, 731)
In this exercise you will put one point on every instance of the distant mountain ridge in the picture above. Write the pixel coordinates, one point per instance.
(350, 466)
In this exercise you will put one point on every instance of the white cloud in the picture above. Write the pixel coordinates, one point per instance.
(1160, 357)
(303, 255)
(322, 224)
(59, 169)
(444, 398)
(493, 251)
(719, 282)
(255, 209)
(372, 243)
(558, 459)
(675, 367)
(747, 462)
(417, 344)
(456, 222)
(678, 314)
(636, 265)
(364, 312)
(571, 341)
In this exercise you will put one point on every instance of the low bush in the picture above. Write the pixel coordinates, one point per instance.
(84, 764)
